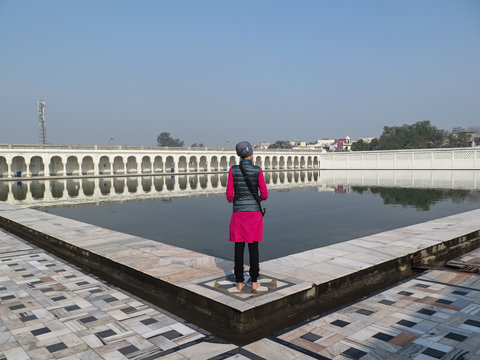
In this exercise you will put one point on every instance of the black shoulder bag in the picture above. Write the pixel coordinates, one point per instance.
(252, 190)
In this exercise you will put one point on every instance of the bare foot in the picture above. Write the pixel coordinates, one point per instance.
(239, 286)
(255, 285)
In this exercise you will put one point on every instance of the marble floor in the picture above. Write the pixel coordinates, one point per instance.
(53, 310)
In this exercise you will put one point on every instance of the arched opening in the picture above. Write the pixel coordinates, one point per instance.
(147, 184)
(203, 181)
(88, 187)
(56, 167)
(119, 185)
(3, 167)
(223, 163)
(282, 177)
(4, 191)
(309, 176)
(104, 165)
(193, 181)
(182, 182)
(274, 163)
(315, 162)
(170, 183)
(289, 162)
(56, 188)
(309, 162)
(223, 180)
(87, 166)
(203, 163)
(19, 167)
(302, 176)
(158, 164)
(72, 166)
(281, 163)
(118, 165)
(105, 186)
(182, 164)
(169, 164)
(275, 177)
(158, 183)
(132, 165)
(19, 190)
(296, 163)
(37, 168)
(37, 189)
(289, 178)
(192, 164)
(302, 162)
(267, 177)
(267, 162)
(296, 177)
(132, 184)
(233, 161)
(214, 180)
(258, 161)
(214, 163)
(146, 166)
(73, 187)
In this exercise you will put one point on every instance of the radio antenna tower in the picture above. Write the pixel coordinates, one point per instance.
(42, 132)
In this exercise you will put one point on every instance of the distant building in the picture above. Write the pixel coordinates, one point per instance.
(344, 144)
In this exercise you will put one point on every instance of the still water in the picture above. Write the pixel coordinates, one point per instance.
(303, 212)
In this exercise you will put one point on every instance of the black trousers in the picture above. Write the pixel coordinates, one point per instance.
(254, 266)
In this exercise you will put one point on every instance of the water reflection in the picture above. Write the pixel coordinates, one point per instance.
(390, 185)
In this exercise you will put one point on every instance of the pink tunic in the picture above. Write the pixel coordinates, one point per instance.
(246, 226)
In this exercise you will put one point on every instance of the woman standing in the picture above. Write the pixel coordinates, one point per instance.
(246, 223)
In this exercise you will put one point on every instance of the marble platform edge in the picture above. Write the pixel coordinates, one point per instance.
(455, 226)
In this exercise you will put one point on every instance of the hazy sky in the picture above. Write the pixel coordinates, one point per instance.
(218, 71)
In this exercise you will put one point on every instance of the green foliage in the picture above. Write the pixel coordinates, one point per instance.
(280, 144)
(459, 139)
(360, 145)
(421, 135)
(164, 139)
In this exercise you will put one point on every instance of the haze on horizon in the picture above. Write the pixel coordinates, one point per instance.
(216, 71)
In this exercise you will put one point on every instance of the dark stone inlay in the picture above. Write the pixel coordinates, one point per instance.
(434, 353)
(40, 331)
(12, 264)
(354, 353)
(16, 307)
(311, 337)
(49, 265)
(232, 354)
(148, 321)
(7, 297)
(422, 285)
(340, 323)
(128, 310)
(444, 301)
(25, 318)
(60, 270)
(82, 283)
(172, 334)
(365, 312)
(105, 333)
(426, 311)
(72, 307)
(21, 269)
(406, 293)
(458, 292)
(406, 323)
(58, 298)
(110, 299)
(128, 350)
(456, 337)
(472, 323)
(383, 336)
(88, 319)
(70, 276)
(27, 276)
(2, 288)
(94, 291)
(386, 302)
(33, 283)
(47, 290)
(56, 347)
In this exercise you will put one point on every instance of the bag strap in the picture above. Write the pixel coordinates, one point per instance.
(252, 190)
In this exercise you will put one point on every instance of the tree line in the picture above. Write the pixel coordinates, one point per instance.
(421, 135)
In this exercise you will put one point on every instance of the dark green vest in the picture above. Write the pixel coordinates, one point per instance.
(243, 199)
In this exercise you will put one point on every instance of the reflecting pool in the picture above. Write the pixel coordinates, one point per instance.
(305, 210)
